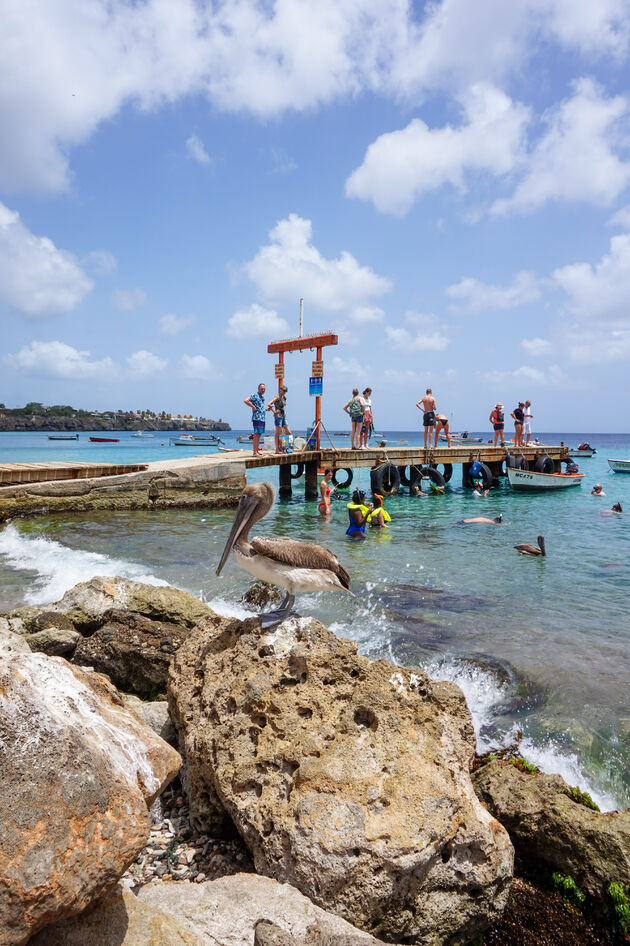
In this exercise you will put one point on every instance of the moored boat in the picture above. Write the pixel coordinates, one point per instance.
(63, 436)
(142, 433)
(619, 466)
(245, 439)
(104, 439)
(464, 437)
(584, 450)
(187, 441)
(540, 482)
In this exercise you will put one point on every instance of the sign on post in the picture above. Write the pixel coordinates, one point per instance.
(318, 369)
(315, 387)
(279, 371)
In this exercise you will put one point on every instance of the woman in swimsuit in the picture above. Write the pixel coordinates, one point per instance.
(325, 489)
(358, 513)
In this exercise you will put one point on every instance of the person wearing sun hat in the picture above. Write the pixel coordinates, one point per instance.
(497, 419)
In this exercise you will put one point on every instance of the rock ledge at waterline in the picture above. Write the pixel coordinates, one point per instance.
(347, 778)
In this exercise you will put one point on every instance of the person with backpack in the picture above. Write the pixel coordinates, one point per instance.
(497, 419)
(355, 408)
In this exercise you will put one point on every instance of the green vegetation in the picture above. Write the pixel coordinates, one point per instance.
(524, 766)
(569, 890)
(583, 798)
(619, 897)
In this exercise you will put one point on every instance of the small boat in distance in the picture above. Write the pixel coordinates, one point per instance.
(464, 437)
(63, 436)
(104, 439)
(245, 439)
(142, 433)
(187, 441)
(619, 466)
(583, 450)
(541, 482)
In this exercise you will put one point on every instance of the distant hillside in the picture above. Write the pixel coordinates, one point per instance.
(36, 417)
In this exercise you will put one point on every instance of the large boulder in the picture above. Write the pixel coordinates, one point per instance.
(224, 912)
(133, 651)
(87, 603)
(345, 777)
(153, 714)
(54, 641)
(79, 772)
(549, 826)
(11, 643)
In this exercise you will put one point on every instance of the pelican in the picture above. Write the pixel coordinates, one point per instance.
(292, 565)
(526, 549)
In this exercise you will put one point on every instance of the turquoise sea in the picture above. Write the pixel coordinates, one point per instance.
(540, 646)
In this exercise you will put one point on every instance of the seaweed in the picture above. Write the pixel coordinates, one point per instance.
(569, 890)
(583, 798)
(621, 908)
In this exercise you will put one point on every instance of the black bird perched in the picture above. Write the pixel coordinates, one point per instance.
(526, 549)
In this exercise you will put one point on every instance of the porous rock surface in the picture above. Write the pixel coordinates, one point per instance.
(86, 603)
(153, 714)
(54, 641)
(134, 651)
(10, 642)
(548, 827)
(78, 774)
(222, 912)
(345, 777)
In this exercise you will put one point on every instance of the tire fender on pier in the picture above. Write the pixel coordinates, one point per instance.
(299, 471)
(513, 462)
(544, 465)
(485, 475)
(342, 484)
(418, 473)
(385, 480)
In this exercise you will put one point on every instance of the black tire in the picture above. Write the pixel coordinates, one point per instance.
(417, 473)
(544, 465)
(404, 479)
(485, 475)
(515, 462)
(448, 471)
(343, 484)
(299, 471)
(385, 480)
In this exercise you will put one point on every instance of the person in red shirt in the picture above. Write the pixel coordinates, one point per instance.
(497, 419)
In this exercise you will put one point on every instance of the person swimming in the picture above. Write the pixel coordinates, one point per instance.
(358, 513)
(598, 490)
(493, 522)
(616, 508)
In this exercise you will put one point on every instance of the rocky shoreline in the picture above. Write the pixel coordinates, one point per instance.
(77, 424)
(172, 776)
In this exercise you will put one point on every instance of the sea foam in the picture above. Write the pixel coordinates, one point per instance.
(58, 568)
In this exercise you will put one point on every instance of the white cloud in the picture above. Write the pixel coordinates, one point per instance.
(199, 368)
(366, 315)
(525, 375)
(575, 159)
(58, 360)
(477, 296)
(601, 291)
(101, 262)
(282, 162)
(144, 364)
(130, 299)
(426, 334)
(536, 347)
(197, 151)
(347, 368)
(88, 60)
(400, 166)
(621, 218)
(290, 267)
(35, 276)
(256, 322)
(603, 345)
(175, 324)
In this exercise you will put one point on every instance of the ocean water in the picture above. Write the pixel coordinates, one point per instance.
(539, 646)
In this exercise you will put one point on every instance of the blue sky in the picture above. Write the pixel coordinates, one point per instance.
(447, 185)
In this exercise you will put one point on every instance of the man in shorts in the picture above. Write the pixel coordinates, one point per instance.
(257, 404)
(527, 429)
(428, 406)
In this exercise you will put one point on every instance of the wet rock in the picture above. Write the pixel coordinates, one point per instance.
(347, 778)
(26, 615)
(78, 774)
(88, 602)
(133, 651)
(262, 596)
(153, 714)
(55, 641)
(549, 829)
(419, 597)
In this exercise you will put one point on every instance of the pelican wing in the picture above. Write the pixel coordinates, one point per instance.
(300, 555)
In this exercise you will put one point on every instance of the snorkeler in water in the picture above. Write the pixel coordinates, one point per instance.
(493, 522)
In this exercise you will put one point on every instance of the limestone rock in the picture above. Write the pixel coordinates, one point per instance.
(55, 641)
(87, 603)
(11, 643)
(268, 934)
(133, 651)
(261, 596)
(345, 777)
(221, 912)
(25, 615)
(548, 827)
(78, 774)
(153, 714)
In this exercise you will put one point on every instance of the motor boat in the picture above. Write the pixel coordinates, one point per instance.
(619, 466)
(541, 482)
(583, 450)
(142, 433)
(464, 437)
(63, 436)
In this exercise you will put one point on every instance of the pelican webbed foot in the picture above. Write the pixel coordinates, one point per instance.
(271, 618)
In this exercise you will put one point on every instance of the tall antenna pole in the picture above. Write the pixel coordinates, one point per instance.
(301, 316)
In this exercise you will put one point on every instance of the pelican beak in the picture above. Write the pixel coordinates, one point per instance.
(246, 509)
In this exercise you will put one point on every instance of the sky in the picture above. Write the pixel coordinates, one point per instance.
(445, 184)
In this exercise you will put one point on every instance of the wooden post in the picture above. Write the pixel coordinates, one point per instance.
(284, 479)
(318, 413)
(310, 484)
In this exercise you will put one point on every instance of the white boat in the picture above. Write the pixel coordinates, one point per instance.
(619, 466)
(538, 482)
(142, 433)
(187, 441)
(63, 436)
(464, 437)
(584, 450)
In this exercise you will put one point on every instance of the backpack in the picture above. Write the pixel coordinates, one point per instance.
(355, 408)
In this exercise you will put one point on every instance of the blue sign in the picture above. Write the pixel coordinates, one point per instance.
(316, 387)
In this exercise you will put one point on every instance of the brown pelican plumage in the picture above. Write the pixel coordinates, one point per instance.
(292, 565)
(526, 549)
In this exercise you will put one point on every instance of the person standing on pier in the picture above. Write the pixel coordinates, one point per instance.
(257, 404)
(278, 405)
(368, 420)
(518, 415)
(428, 406)
(441, 427)
(355, 408)
(497, 419)
(527, 429)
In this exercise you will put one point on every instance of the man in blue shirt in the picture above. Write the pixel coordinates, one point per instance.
(257, 404)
